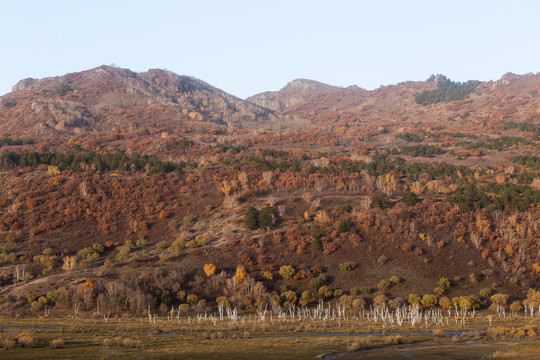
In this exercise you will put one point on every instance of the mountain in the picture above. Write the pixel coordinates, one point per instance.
(108, 98)
(295, 92)
(511, 97)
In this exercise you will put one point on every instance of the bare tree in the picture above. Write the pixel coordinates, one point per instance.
(84, 189)
(476, 239)
(70, 263)
(243, 178)
(272, 200)
(320, 184)
(267, 177)
(20, 274)
(365, 203)
(231, 200)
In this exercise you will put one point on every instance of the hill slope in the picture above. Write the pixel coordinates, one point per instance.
(108, 98)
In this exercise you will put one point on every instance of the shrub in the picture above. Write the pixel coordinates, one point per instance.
(394, 280)
(364, 289)
(57, 344)
(98, 248)
(51, 296)
(162, 245)
(346, 266)
(345, 226)
(26, 340)
(393, 340)
(140, 242)
(438, 291)
(485, 292)
(444, 283)
(475, 277)
(7, 343)
(438, 332)
(316, 283)
(30, 298)
(129, 343)
(383, 284)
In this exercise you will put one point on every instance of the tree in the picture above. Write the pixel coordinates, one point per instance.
(251, 218)
(240, 274)
(499, 299)
(345, 226)
(286, 272)
(429, 300)
(414, 299)
(409, 198)
(267, 217)
(381, 201)
(209, 269)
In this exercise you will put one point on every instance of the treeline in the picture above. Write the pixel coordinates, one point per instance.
(18, 142)
(267, 164)
(529, 161)
(89, 161)
(528, 127)
(499, 144)
(447, 90)
(422, 150)
(410, 137)
(470, 196)
(381, 165)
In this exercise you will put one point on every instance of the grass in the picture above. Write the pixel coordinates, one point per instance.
(187, 338)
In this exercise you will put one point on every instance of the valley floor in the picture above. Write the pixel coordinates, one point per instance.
(248, 338)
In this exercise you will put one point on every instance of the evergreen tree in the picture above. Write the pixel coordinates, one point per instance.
(267, 217)
(251, 218)
(409, 198)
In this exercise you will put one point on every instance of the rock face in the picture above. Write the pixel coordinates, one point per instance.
(24, 85)
(294, 93)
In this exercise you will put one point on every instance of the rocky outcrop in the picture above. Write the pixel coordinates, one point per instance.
(292, 94)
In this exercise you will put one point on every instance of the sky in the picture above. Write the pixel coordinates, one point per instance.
(247, 47)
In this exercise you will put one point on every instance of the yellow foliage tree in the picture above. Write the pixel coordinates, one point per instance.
(240, 274)
(209, 269)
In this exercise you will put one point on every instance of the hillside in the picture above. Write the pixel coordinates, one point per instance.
(180, 194)
(121, 104)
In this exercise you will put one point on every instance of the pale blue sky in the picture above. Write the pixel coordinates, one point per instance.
(245, 47)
